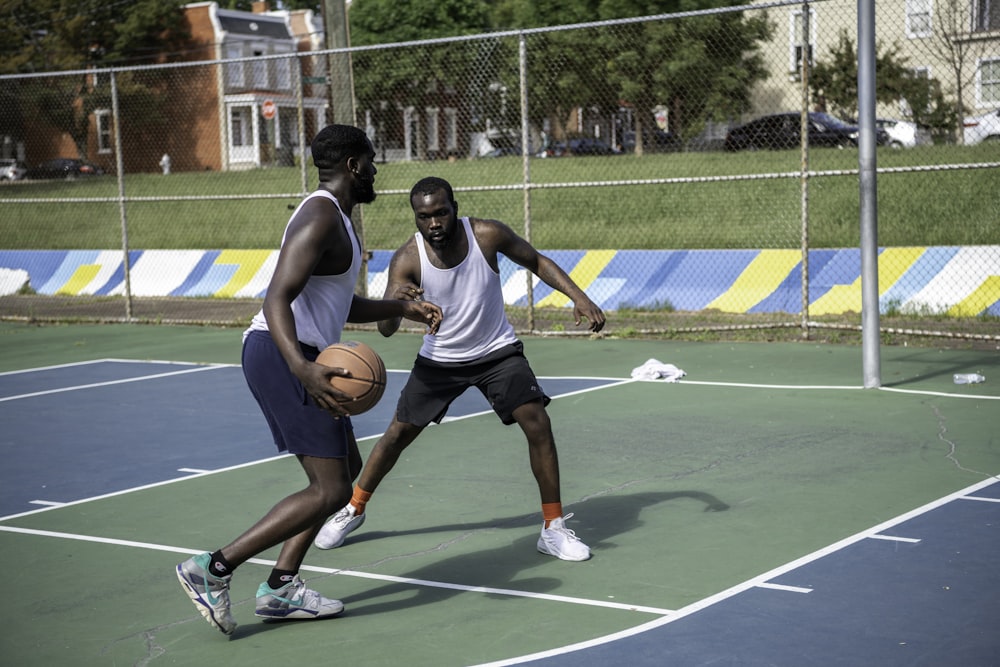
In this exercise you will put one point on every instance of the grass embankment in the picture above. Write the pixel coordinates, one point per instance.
(950, 207)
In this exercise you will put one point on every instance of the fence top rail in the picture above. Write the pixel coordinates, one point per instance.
(423, 42)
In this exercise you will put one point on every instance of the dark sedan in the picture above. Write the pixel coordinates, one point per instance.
(782, 130)
(63, 167)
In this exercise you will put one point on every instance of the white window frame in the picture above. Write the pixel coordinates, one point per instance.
(240, 134)
(259, 79)
(431, 118)
(451, 129)
(983, 15)
(919, 18)
(235, 72)
(795, 44)
(988, 92)
(283, 68)
(102, 121)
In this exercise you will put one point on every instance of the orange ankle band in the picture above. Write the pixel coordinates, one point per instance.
(360, 499)
(551, 511)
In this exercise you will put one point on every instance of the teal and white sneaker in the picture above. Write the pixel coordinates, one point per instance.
(294, 602)
(209, 593)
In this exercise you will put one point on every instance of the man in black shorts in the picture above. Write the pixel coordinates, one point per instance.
(309, 298)
(452, 262)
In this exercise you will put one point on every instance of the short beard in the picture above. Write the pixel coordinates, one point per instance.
(364, 192)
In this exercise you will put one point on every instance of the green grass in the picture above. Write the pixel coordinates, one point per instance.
(950, 207)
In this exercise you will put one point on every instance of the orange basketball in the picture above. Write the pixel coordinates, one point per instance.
(367, 382)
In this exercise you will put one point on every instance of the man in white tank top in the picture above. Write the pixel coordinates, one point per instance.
(309, 298)
(452, 262)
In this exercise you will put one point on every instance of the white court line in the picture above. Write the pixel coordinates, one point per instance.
(787, 589)
(754, 385)
(47, 368)
(749, 385)
(923, 392)
(196, 471)
(893, 538)
(47, 503)
(109, 383)
(351, 573)
(982, 499)
(756, 582)
(101, 361)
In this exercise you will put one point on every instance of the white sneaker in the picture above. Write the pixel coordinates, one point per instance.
(332, 534)
(559, 541)
(294, 601)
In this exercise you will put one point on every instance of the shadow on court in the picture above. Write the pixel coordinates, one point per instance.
(605, 517)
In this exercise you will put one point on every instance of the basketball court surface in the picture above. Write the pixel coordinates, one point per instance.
(765, 510)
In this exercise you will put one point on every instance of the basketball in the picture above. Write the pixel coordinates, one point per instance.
(367, 382)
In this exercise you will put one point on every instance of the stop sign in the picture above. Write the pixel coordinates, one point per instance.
(268, 109)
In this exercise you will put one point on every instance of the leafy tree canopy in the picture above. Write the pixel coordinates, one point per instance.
(59, 35)
(834, 81)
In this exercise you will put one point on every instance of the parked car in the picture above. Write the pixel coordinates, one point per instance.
(653, 141)
(11, 169)
(579, 146)
(904, 133)
(782, 130)
(978, 129)
(63, 167)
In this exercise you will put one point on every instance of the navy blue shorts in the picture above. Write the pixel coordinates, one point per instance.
(504, 378)
(298, 425)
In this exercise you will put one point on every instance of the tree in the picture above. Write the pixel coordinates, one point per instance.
(388, 82)
(960, 49)
(565, 69)
(698, 68)
(80, 35)
(835, 81)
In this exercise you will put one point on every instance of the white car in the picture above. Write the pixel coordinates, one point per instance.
(11, 170)
(904, 133)
(982, 128)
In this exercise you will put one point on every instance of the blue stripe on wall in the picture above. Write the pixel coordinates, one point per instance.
(201, 268)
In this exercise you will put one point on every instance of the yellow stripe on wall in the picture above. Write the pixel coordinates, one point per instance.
(82, 277)
(758, 281)
(248, 263)
(583, 274)
(892, 264)
(981, 298)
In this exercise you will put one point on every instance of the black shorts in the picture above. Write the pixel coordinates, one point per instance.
(298, 425)
(504, 378)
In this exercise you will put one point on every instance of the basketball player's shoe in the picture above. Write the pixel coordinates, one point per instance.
(334, 531)
(293, 602)
(209, 593)
(559, 541)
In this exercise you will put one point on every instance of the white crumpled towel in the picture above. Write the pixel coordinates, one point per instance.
(657, 370)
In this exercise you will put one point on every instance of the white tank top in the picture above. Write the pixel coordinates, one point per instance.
(321, 308)
(471, 299)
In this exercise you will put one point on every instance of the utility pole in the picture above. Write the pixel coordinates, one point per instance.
(341, 89)
(341, 86)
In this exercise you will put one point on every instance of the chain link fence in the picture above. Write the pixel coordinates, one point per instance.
(659, 160)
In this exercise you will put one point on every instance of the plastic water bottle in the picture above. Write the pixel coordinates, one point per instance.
(968, 378)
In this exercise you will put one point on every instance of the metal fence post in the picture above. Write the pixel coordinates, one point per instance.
(122, 209)
(522, 50)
